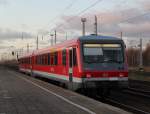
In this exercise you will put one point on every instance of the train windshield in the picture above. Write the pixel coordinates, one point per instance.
(100, 53)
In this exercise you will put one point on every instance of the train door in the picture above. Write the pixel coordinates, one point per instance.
(31, 64)
(70, 64)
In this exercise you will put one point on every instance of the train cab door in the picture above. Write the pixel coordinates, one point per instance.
(70, 64)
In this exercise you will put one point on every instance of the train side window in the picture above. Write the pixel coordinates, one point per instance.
(74, 57)
(44, 60)
(40, 59)
(55, 58)
(30, 60)
(48, 58)
(70, 58)
(36, 59)
(52, 59)
(64, 57)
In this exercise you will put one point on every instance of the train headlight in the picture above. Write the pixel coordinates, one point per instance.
(121, 75)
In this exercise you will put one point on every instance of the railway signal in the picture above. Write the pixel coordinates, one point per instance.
(13, 53)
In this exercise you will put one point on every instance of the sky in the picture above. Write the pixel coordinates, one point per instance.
(32, 18)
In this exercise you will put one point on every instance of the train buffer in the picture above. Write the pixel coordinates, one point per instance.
(22, 94)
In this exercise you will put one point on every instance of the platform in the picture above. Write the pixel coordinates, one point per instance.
(22, 94)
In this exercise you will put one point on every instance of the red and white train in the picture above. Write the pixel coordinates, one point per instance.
(88, 61)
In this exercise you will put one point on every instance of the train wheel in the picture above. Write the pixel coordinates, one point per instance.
(70, 86)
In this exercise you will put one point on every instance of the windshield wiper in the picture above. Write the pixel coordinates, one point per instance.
(89, 62)
(111, 60)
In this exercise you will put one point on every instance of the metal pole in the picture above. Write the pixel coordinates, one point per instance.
(83, 20)
(66, 35)
(95, 24)
(37, 43)
(27, 48)
(141, 57)
(42, 37)
(22, 35)
(51, 39)
(55, 37)
(83, 28)
(121, 34)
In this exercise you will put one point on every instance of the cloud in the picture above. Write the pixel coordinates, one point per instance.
(130, 21)
(145, 4)
(6, 34)
(6, 47)
(3, 2)
(132, 30)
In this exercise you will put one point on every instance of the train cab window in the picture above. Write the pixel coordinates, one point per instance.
(74, 57)
(64, 57)
(100, 53)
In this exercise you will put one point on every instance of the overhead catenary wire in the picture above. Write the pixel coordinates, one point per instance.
(78, 14)
(62, 12)
(131, 18)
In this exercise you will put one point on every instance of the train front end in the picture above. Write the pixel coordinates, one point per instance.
(104, 62)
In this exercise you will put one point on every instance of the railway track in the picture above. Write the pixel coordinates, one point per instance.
(126, 107)
(133, 100)
(137, 92)
(142, 85)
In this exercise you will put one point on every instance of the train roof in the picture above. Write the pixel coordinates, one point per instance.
(26, 55)
(71, 42)
(98, 37)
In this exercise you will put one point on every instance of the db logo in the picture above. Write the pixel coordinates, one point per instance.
(105, 74)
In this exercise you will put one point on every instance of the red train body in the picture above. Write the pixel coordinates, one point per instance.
(89, 61)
